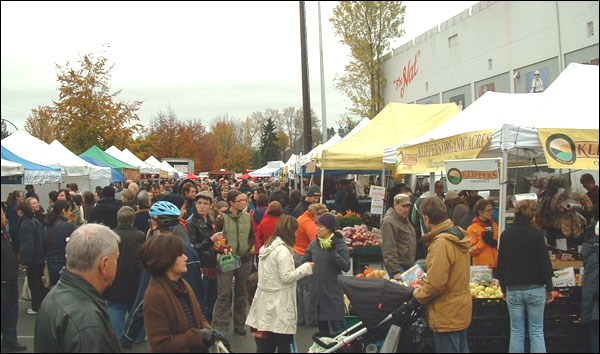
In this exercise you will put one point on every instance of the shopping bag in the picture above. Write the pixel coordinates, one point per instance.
(229, 262)
(26, 293)
(46, 277)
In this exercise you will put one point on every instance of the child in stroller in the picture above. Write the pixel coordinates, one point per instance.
(389, 316)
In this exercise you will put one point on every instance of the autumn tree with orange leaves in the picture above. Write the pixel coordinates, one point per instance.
(86, 112)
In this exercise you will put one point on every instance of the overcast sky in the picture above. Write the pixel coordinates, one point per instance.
(203, 60)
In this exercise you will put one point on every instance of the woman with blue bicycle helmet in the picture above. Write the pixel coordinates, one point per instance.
(165, 213)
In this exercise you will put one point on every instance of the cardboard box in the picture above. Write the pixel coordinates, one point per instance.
(566, 264)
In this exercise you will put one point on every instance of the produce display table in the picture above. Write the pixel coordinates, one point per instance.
(366, 256)
(490, 326)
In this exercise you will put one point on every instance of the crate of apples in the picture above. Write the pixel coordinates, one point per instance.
(360, 236)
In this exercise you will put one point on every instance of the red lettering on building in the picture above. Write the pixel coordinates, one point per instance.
(408, 74)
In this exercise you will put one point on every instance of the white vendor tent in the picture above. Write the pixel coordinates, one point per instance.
(144, 167)
(35, 150)
(272, 169)
(97, 175)
(10, 168)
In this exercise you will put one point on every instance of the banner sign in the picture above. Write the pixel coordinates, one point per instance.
(476, 174)
(570, 148)
(131, 174)
(430, 156)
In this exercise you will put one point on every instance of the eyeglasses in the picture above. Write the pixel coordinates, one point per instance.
(241, 201)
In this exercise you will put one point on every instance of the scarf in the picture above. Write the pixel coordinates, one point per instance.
(178, 287)
(326, 243)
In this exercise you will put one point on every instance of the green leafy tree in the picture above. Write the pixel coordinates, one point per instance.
(268, 142)
(346, 125)
(367, 28)
(87, 111)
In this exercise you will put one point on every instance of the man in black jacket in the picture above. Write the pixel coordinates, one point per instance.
(73, 317)
(105, 211)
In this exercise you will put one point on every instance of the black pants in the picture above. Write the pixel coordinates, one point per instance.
(275, 343)
(10, 313)
(36, 286)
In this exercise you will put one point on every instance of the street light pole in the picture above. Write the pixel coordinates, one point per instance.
(11, 123)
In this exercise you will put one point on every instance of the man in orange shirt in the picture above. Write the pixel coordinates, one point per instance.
(307, 231)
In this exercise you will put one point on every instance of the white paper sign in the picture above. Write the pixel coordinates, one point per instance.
(377, 192)
(561, 244)
(376, 206)
(564, 277)
(480, 274)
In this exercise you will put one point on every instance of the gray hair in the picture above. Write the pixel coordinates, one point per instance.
(126, 215)
(143, 198)
(87, 244)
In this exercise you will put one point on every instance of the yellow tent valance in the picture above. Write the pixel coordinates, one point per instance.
(570, 148)
(430, 156)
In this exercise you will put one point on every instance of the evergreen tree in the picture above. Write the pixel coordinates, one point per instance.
(268, 143)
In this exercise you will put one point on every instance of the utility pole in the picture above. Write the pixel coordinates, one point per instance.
(323, 103)
(305, 84)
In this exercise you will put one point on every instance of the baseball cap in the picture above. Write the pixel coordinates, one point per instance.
(450, 195)
(314, 191)
(402, 199)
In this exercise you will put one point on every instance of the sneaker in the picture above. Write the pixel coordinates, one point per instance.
(17, 347)
(31, 312)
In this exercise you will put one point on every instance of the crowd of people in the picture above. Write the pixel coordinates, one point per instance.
(131, 263)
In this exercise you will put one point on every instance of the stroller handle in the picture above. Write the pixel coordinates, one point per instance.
(317, 339)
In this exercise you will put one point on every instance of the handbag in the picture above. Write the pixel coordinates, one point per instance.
(26, 293)
(46, 278)
(229, 262)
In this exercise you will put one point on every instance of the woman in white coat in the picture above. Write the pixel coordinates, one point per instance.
(273, 309)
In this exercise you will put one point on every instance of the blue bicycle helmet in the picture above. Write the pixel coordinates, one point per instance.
(164, 208)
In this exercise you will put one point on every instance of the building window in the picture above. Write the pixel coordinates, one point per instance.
(490, 66)
(590, 29)
(452, 41)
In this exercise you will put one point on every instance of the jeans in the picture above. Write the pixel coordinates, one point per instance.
(209, 297)
(134, 327)
(530, 302)
(276, 343)
(34, 280)
(451, 342)
(303, 296)
(117, 312)
(10, 312)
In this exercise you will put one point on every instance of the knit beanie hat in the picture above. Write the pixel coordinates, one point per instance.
(328, 220)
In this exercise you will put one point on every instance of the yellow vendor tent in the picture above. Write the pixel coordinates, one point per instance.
(395, 124)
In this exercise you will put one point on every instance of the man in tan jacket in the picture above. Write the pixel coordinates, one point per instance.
(446, 289)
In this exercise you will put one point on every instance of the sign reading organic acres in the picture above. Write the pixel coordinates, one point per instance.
(570, 148)
(430, 156)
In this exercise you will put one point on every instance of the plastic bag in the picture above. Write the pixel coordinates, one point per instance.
(229, 262)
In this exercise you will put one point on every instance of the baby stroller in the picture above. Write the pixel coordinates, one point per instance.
(389, 316)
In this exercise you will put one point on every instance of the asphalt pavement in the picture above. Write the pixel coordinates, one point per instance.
(239, 344)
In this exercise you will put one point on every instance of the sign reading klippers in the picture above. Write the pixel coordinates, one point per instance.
(474, 174)
(570, 148)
